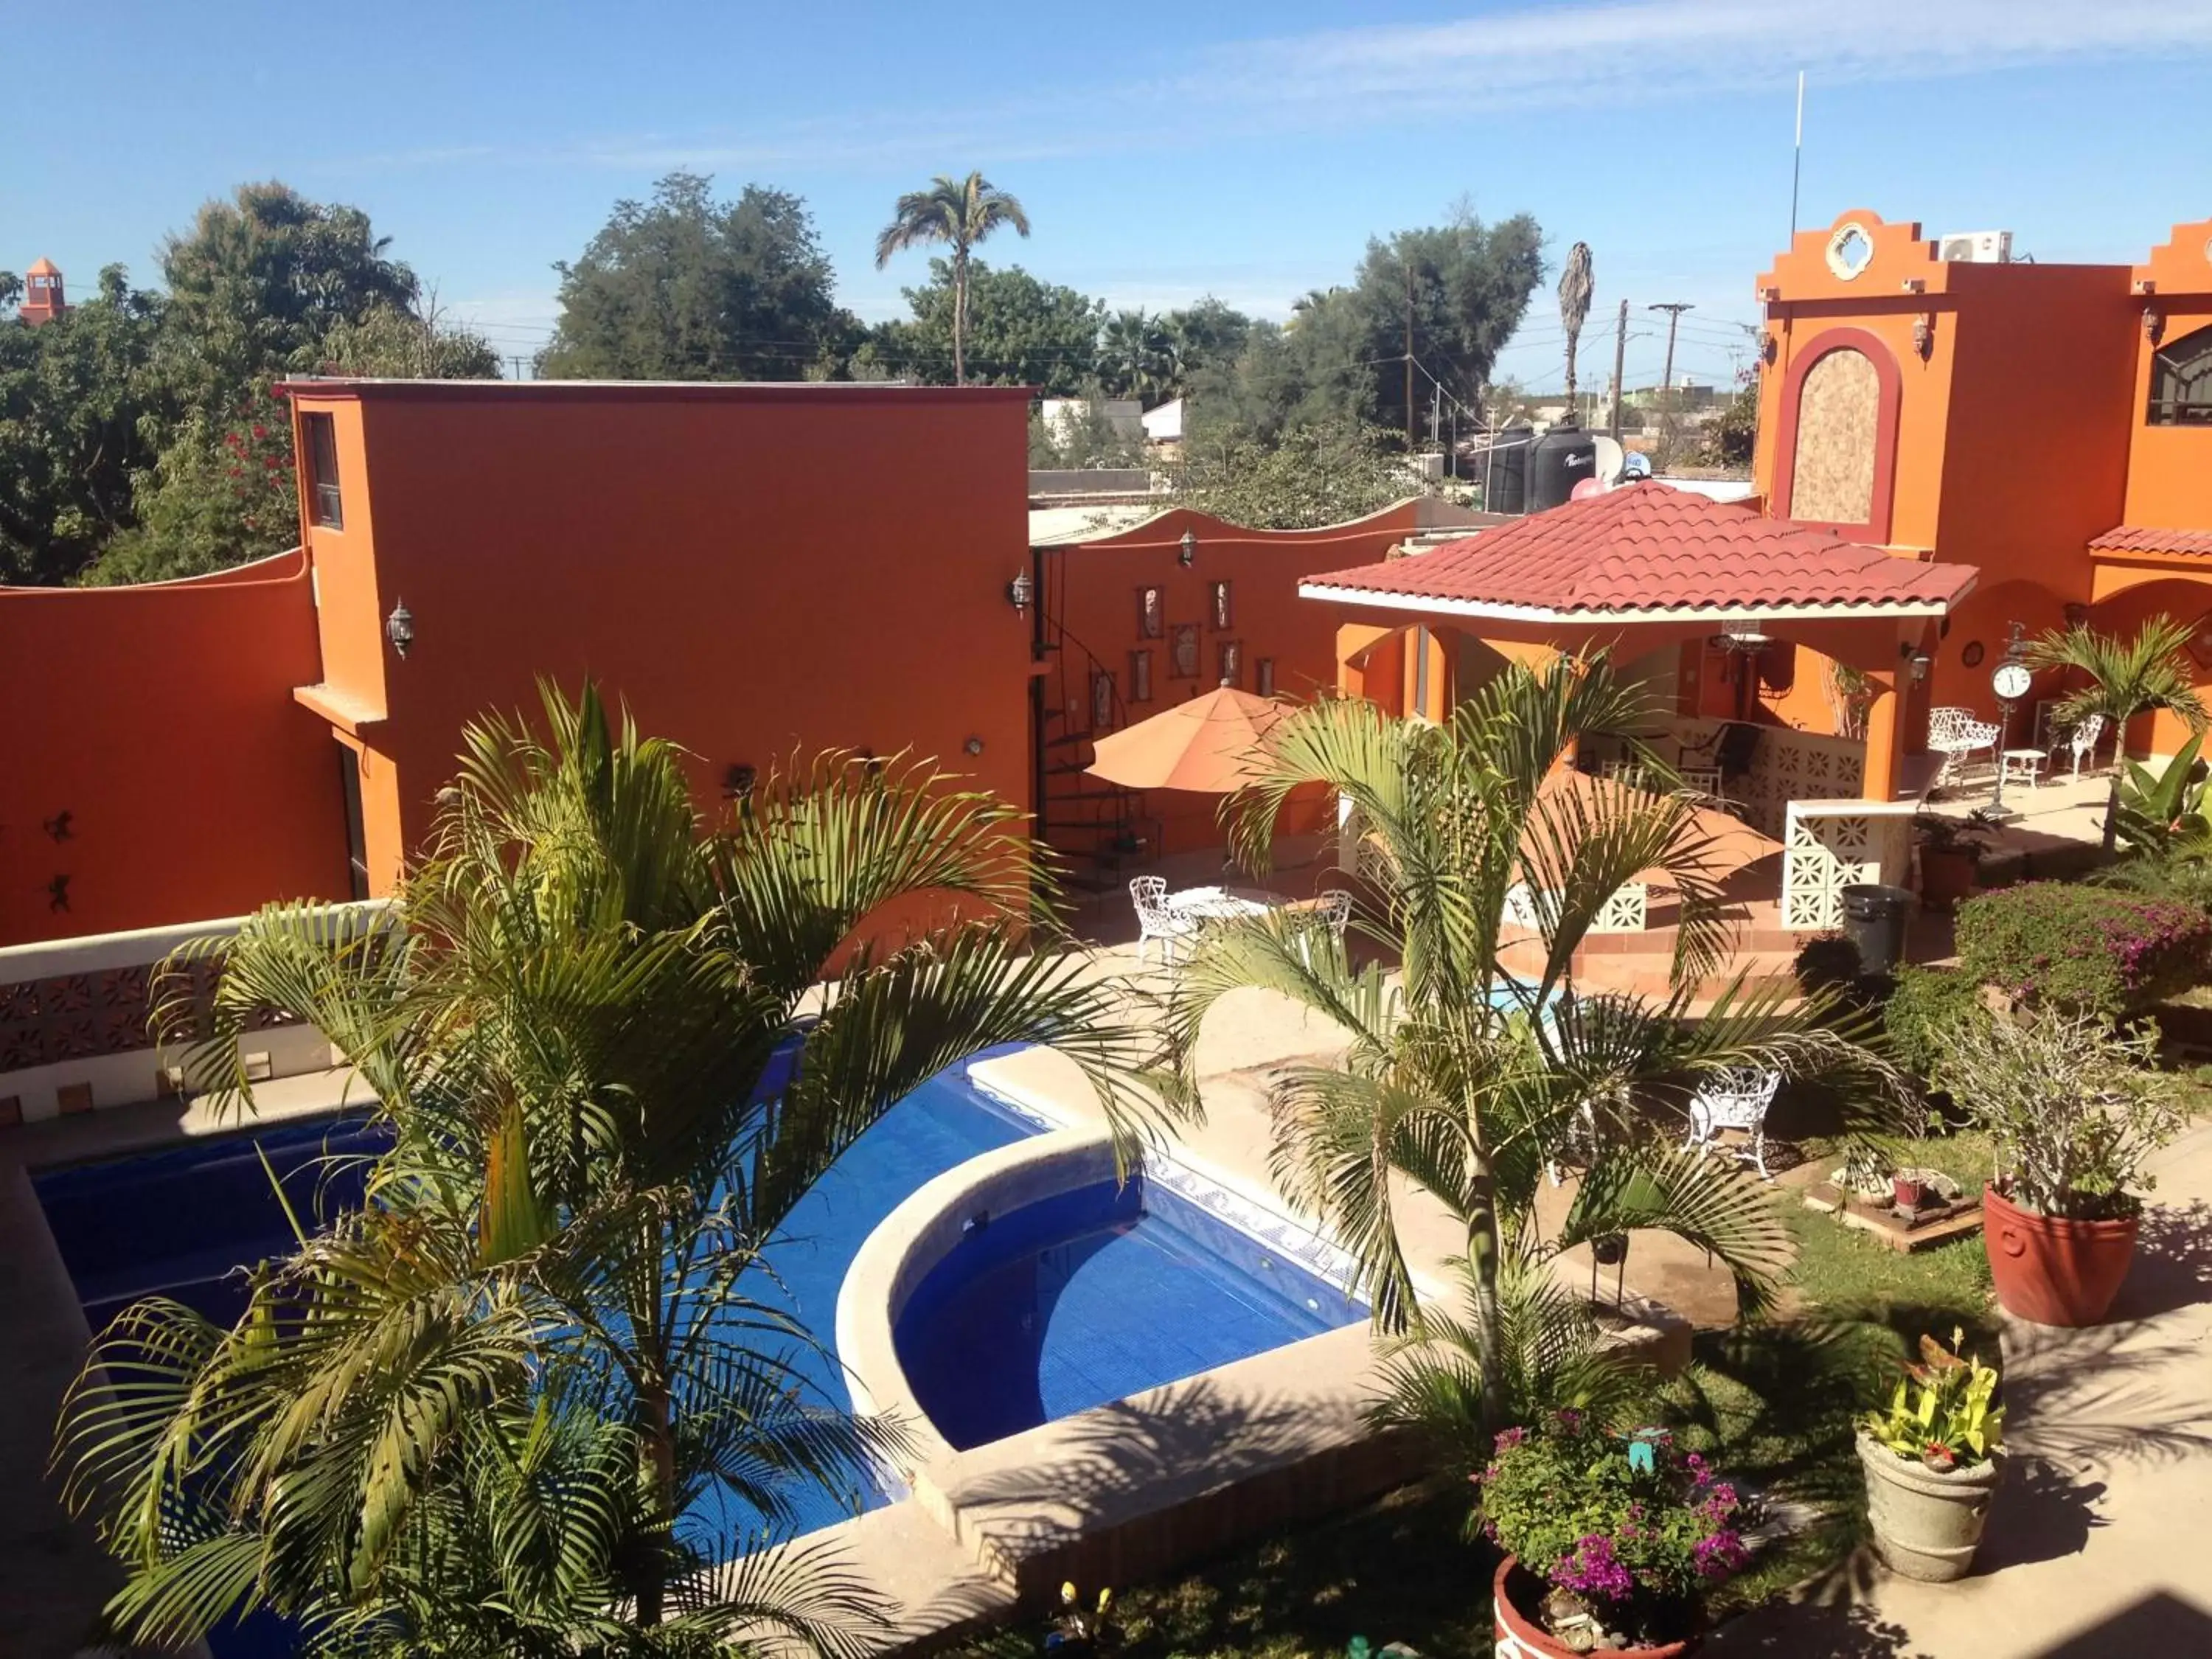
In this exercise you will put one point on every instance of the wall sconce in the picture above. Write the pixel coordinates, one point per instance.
(399, 628)
(1769, 348)
(1187, 553)
(2154, 324)
(973, 747)
(2077, 615)
(1017, 591)
(738, 782)
(1923, 336)
(1918, 663)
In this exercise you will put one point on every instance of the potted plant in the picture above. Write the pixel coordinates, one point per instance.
(1932, 1463)
(2076, 1109)
(1951, 855)
(1612, 1541)
(1079, 1629)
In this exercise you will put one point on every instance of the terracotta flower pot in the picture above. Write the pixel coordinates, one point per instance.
(1947, 875)
(1927, 1522)
(1908, 1193)
(1520, 1637)
(2052, 1270)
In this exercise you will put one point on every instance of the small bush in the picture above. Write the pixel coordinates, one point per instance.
(2093, 948)
(1925, 1002)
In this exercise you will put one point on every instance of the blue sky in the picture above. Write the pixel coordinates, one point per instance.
(1165, 151)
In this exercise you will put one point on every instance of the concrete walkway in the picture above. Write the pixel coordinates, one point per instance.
(2100, 1541)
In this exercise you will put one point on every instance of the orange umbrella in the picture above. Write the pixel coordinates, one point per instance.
(1729, 844)
(1211, 743)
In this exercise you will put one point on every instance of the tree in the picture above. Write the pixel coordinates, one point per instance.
(81, 415)
(1021, 331)
(1575, 287)
(259, 281)
(1462, 1075)
(960, 214)
(2127, 678)
(1314, 476)
(1139, 357)
(533, 1398)
(1087, 438)
(685, 288)
(1733, 437)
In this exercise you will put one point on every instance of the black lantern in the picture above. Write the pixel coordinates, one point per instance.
(399, 628)
(1186, 555)
(1017, 591)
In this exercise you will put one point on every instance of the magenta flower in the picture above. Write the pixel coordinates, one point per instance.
(1593, 1568)
(1721, 1555)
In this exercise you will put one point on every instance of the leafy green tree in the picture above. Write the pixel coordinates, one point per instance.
(1204, 334)
(1021, 331)
(2126, 677)
(958, 214)
(1087, 438)
(259, 282)
(538, 1397)
(1463, 1076)
(685, 288)
(80, 417)
(1730, 439)
(1312, 476)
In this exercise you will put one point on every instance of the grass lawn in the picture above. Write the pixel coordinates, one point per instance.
(1844, 1274)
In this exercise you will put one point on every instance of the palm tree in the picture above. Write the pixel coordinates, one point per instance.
(537, 1396)
(1575, 289)
(1460, 1075)
(2127, 678)
(959, 213)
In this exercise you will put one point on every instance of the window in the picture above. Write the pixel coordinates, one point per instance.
(1231, 657)
(1101, 701)
(1220, 606)
(356, 830)
(1151, 613)
(321, 439)
(1182, 653)
(2181, 382)
(1140, 677)
(1263, 676)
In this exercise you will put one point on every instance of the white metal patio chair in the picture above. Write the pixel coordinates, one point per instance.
(1956, 735)
(2083, 740)
(1737, 1098)
(1329, 912)
(1156, 920)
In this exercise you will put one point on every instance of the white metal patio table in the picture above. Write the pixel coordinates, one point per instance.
(1219, 904)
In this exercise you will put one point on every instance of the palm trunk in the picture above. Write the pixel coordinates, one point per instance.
(2111, 807)
(1570, 376)
(660, 1456)
(960, 317)
(1484, 1247)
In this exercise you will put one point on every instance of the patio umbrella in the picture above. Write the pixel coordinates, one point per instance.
(1211, 743)
(1729, 844)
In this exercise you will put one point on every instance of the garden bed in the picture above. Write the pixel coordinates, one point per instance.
(1929, 1226)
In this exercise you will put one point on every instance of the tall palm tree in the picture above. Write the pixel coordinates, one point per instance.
(958, 213)
(1462, 1075)
(1575, 287)
(2127, 677)
(537, 1396)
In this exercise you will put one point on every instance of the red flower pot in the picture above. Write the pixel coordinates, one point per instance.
(1909, 1194)
(2052, 1270)
(1519, 1635)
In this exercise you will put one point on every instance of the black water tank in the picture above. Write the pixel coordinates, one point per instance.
(1561, 458)
(1505, 472)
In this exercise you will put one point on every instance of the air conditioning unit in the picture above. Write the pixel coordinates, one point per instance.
(1977, 247)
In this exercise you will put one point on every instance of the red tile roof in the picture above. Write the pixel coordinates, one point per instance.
(2136, 538)
(1652, 548)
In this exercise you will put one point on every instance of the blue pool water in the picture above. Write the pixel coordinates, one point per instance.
(1093, 1295)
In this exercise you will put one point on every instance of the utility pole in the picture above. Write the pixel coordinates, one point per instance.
(1673, 309)
(1409, 352)
(1619, 365)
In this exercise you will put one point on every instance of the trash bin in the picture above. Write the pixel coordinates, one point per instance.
(1875, 918)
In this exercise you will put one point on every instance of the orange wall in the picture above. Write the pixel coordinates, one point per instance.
(2169, 472)
(160, 718)
(1092, 591)
(753, 568)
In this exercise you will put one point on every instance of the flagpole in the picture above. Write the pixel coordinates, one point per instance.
(1797, 157)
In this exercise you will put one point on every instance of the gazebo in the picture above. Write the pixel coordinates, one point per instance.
(1783, 653)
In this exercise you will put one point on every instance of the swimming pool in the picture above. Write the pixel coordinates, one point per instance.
(1090, 1296)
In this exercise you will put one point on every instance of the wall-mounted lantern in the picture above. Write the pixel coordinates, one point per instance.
(973, 747)
(1017, 591)
(738, 782)
(1923, 336)
(1916, 662)
(1769, 350)
(1186, 554)
(2154, 324)
(399, 628)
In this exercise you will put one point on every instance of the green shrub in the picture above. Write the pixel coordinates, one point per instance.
(1925, 1001)
(2095, 948)
(1827, 962)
